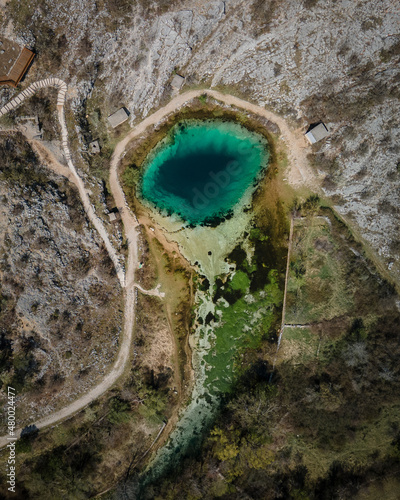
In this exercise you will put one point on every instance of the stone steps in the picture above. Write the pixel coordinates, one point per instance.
(28, 92)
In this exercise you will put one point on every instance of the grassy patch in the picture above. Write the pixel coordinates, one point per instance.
(326, 424)
(299, 345)
(317, 285)
(240, 281)
(162, 266)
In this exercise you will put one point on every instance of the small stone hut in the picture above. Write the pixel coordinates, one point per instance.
(94, 147)
(114, 216)
(177, 82)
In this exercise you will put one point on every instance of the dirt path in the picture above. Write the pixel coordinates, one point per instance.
(51, 162)
(155, 291)
(300, 173)
(98, 224)
(127, 282)
(62, 91)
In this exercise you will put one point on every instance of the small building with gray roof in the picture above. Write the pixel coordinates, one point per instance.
(118, 117)
(317, 132)
(177, 82)
(94, 147)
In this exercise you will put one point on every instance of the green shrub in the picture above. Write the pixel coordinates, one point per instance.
(130, 176)
(119, 411)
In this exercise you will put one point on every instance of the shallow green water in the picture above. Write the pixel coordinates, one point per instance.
(202, 169)
(217, 358)
(201, 172)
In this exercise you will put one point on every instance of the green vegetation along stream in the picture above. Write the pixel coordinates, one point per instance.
(207, 173)
(233, 315)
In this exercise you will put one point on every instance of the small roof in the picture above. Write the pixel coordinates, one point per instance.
(177, 82)
(14, 62)
(20, 66)
(112, 217)
(118, 117)
(94, 147)
(317, 133)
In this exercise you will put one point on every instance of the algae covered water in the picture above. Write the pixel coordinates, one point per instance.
(201, 172)
(202, 169)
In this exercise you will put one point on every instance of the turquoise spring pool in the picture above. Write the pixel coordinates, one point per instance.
(202, 169)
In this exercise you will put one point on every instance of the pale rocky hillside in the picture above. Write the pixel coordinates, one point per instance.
(60, 300)
(336, 61)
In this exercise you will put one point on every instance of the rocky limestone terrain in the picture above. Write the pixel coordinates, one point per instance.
(335, 61)
(61, 303)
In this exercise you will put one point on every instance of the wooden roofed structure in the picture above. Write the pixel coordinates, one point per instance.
(14, 62)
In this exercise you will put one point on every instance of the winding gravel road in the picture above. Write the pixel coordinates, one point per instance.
(299, 173)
